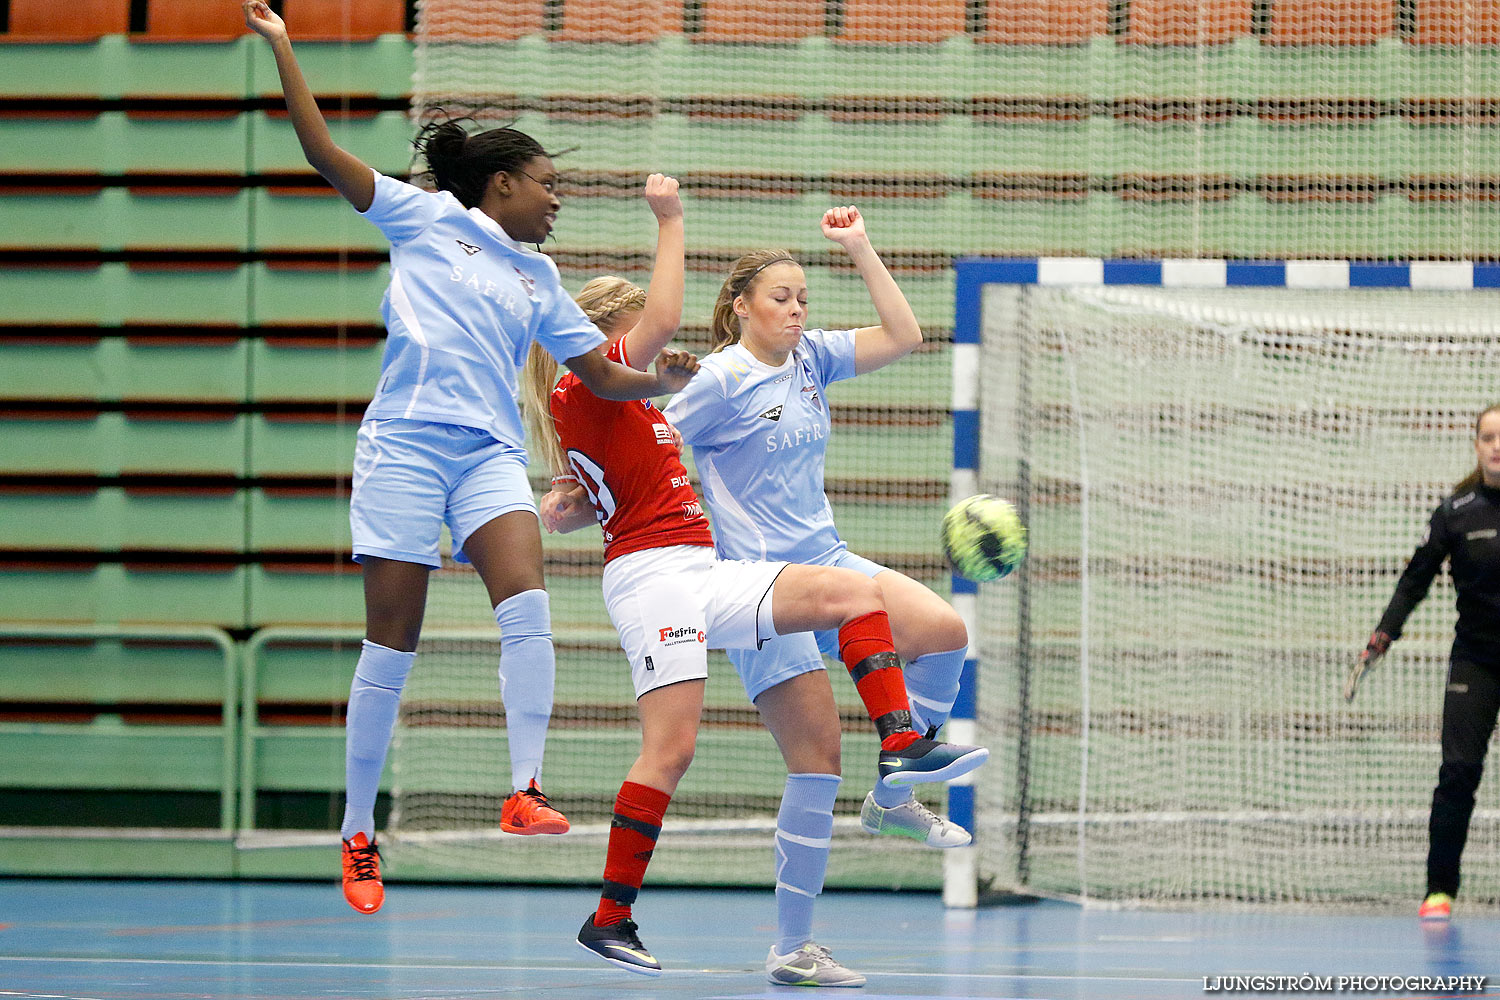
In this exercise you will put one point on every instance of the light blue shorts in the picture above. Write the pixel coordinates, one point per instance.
(785, 656)
(411, 476)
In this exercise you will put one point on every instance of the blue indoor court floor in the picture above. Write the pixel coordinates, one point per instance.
(167, 940)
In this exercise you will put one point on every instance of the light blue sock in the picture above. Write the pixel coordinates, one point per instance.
(528, 670)
(931, 687)
(804, 831)
(374, 700)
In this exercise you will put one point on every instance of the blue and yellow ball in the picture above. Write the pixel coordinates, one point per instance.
(983, 538)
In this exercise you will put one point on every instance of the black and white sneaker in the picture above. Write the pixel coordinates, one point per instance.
(928, 760)
(618, 944)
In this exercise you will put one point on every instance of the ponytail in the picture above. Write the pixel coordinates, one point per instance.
(603, 301)
(462, 162)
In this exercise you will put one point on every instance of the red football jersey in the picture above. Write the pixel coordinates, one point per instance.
(628, 463)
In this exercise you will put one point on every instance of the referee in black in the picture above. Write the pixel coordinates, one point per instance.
(1465, 530)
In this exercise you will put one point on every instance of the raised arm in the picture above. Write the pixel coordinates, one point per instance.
(349, 176)
(662, 315)
(898, 333)
(609, 380)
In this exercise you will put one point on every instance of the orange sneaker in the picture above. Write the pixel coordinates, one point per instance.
(1437, 906)
(528, 812)
(362, 886)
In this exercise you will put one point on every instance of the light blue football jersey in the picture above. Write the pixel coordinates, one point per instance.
(759, 437)
(464, 304)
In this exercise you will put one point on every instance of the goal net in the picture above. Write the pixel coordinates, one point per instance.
(1222, 486)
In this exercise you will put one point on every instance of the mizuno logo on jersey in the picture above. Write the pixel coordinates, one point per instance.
(691, 509)
(774, 413)
(469, 248)
(663, 433)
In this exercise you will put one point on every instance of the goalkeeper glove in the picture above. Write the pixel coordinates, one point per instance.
(1379, 643)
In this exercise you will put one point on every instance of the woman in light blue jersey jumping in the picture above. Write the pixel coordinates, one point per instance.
(757, 418)
(442, 439)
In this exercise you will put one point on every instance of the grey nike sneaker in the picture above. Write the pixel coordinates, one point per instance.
(913, 820)
(928, 760)
(809, 965)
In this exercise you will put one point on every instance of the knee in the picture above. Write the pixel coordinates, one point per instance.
(951, 631)
(819, 753)
(395, 633)
(671, 758)
(1457, 782)
(847, 595)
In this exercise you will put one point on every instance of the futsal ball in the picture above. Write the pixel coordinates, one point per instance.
(983, 538)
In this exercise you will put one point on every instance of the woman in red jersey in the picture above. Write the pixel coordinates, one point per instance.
(671, 600)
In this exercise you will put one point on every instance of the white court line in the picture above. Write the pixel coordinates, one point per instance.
(417, 967)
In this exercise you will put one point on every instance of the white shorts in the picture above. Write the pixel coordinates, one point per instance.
(783, 658)
(411, 476)
(672, 605)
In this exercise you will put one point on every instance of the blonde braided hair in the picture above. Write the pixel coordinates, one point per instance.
(603, 300)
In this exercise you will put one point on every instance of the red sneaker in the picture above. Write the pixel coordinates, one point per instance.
(362, 886)
(528, 811)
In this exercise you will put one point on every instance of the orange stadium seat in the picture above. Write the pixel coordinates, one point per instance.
(1187, 22)
(754, 22)
(345, 20)
(617, 21)
(1045, 22)
(886, 22)
(1457, 22)
(192, 21)
(81, 21)
(1330, 22)
(466, 21)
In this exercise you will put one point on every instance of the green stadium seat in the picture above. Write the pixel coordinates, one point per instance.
(113, 592)
(285, 294)
(162, 367)
(310, 218)
(1330, 22)
(298, 446)
(80, 21)
(111, 443)
(1457, 22)
(295, 518)
(114, 218)
(454, 21)
(753, 22)
(320, 592)
(289, 369)
(382, 67)
(380, 138)
(1187, 22)
(113, 518)
(118, 142)
(344, 20)
(155, 711)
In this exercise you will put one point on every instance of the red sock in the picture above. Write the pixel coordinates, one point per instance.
(866, 647)
(632, 837)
